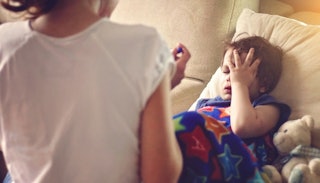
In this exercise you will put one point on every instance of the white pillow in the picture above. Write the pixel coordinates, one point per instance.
(299, 84)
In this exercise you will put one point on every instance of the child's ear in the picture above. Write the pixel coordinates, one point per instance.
(263, 85)
(262, 89)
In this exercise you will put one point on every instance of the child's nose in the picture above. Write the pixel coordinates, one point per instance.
(228, 77)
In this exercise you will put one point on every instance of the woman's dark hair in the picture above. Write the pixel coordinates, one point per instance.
(270, 68)
(33, 8)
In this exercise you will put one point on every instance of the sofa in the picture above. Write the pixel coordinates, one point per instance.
(203, 26)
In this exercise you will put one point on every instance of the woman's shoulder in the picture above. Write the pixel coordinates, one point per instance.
(13, 28)
(13, 34)
(141, 40)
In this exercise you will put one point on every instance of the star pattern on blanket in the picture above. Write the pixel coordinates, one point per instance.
(250, 148)
(217, 173)
(198, 144)
(230, 163)
(217, 129)
(224, 112)
(206, 108)
(257, 176)
(212, 152)
(196, 178)
(177, 125)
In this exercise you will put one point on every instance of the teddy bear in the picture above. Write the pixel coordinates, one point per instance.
(299, 152)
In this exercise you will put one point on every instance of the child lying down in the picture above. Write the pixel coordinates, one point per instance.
(229, 138)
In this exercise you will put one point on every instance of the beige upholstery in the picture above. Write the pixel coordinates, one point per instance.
(307, 11)
(201, 25)
(275, 7)
(308, 17)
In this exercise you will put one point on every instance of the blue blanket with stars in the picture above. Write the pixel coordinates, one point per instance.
(211, 152)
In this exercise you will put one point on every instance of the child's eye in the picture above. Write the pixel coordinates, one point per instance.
(225, 69)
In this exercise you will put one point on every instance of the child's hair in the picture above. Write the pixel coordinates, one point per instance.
(270, 68)
(33, 8)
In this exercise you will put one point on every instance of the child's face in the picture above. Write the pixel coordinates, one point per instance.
(225, 89)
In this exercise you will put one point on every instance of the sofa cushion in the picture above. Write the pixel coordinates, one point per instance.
(275, 7)
(307, 17)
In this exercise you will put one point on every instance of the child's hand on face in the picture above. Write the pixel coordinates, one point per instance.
(243, 71)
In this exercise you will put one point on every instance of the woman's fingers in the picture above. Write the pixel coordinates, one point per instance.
(181, 51)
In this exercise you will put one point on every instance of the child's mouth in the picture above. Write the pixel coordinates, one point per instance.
(227, 89)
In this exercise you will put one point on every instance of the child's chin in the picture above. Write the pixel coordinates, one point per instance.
(226, 97)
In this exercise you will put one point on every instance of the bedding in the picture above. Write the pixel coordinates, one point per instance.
(210, 149)
(213, 153)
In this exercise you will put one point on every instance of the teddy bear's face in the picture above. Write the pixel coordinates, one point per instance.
(290, 135)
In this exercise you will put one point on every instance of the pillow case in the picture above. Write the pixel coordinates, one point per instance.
(299, 84)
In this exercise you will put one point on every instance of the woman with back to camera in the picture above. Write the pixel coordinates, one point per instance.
(84, 99)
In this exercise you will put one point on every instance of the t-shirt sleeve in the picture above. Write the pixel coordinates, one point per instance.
(161, 62)
(285, 110)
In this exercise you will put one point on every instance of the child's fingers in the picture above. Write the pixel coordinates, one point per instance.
(256, 64)
(230, 64)
(248, 61)
(237, 59)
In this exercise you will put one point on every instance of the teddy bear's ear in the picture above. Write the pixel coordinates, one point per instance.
(315, 130)
(308, 120)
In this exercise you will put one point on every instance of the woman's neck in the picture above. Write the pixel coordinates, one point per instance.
(66, 20)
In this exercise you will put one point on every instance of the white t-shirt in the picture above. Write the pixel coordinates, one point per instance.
(69, 107)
